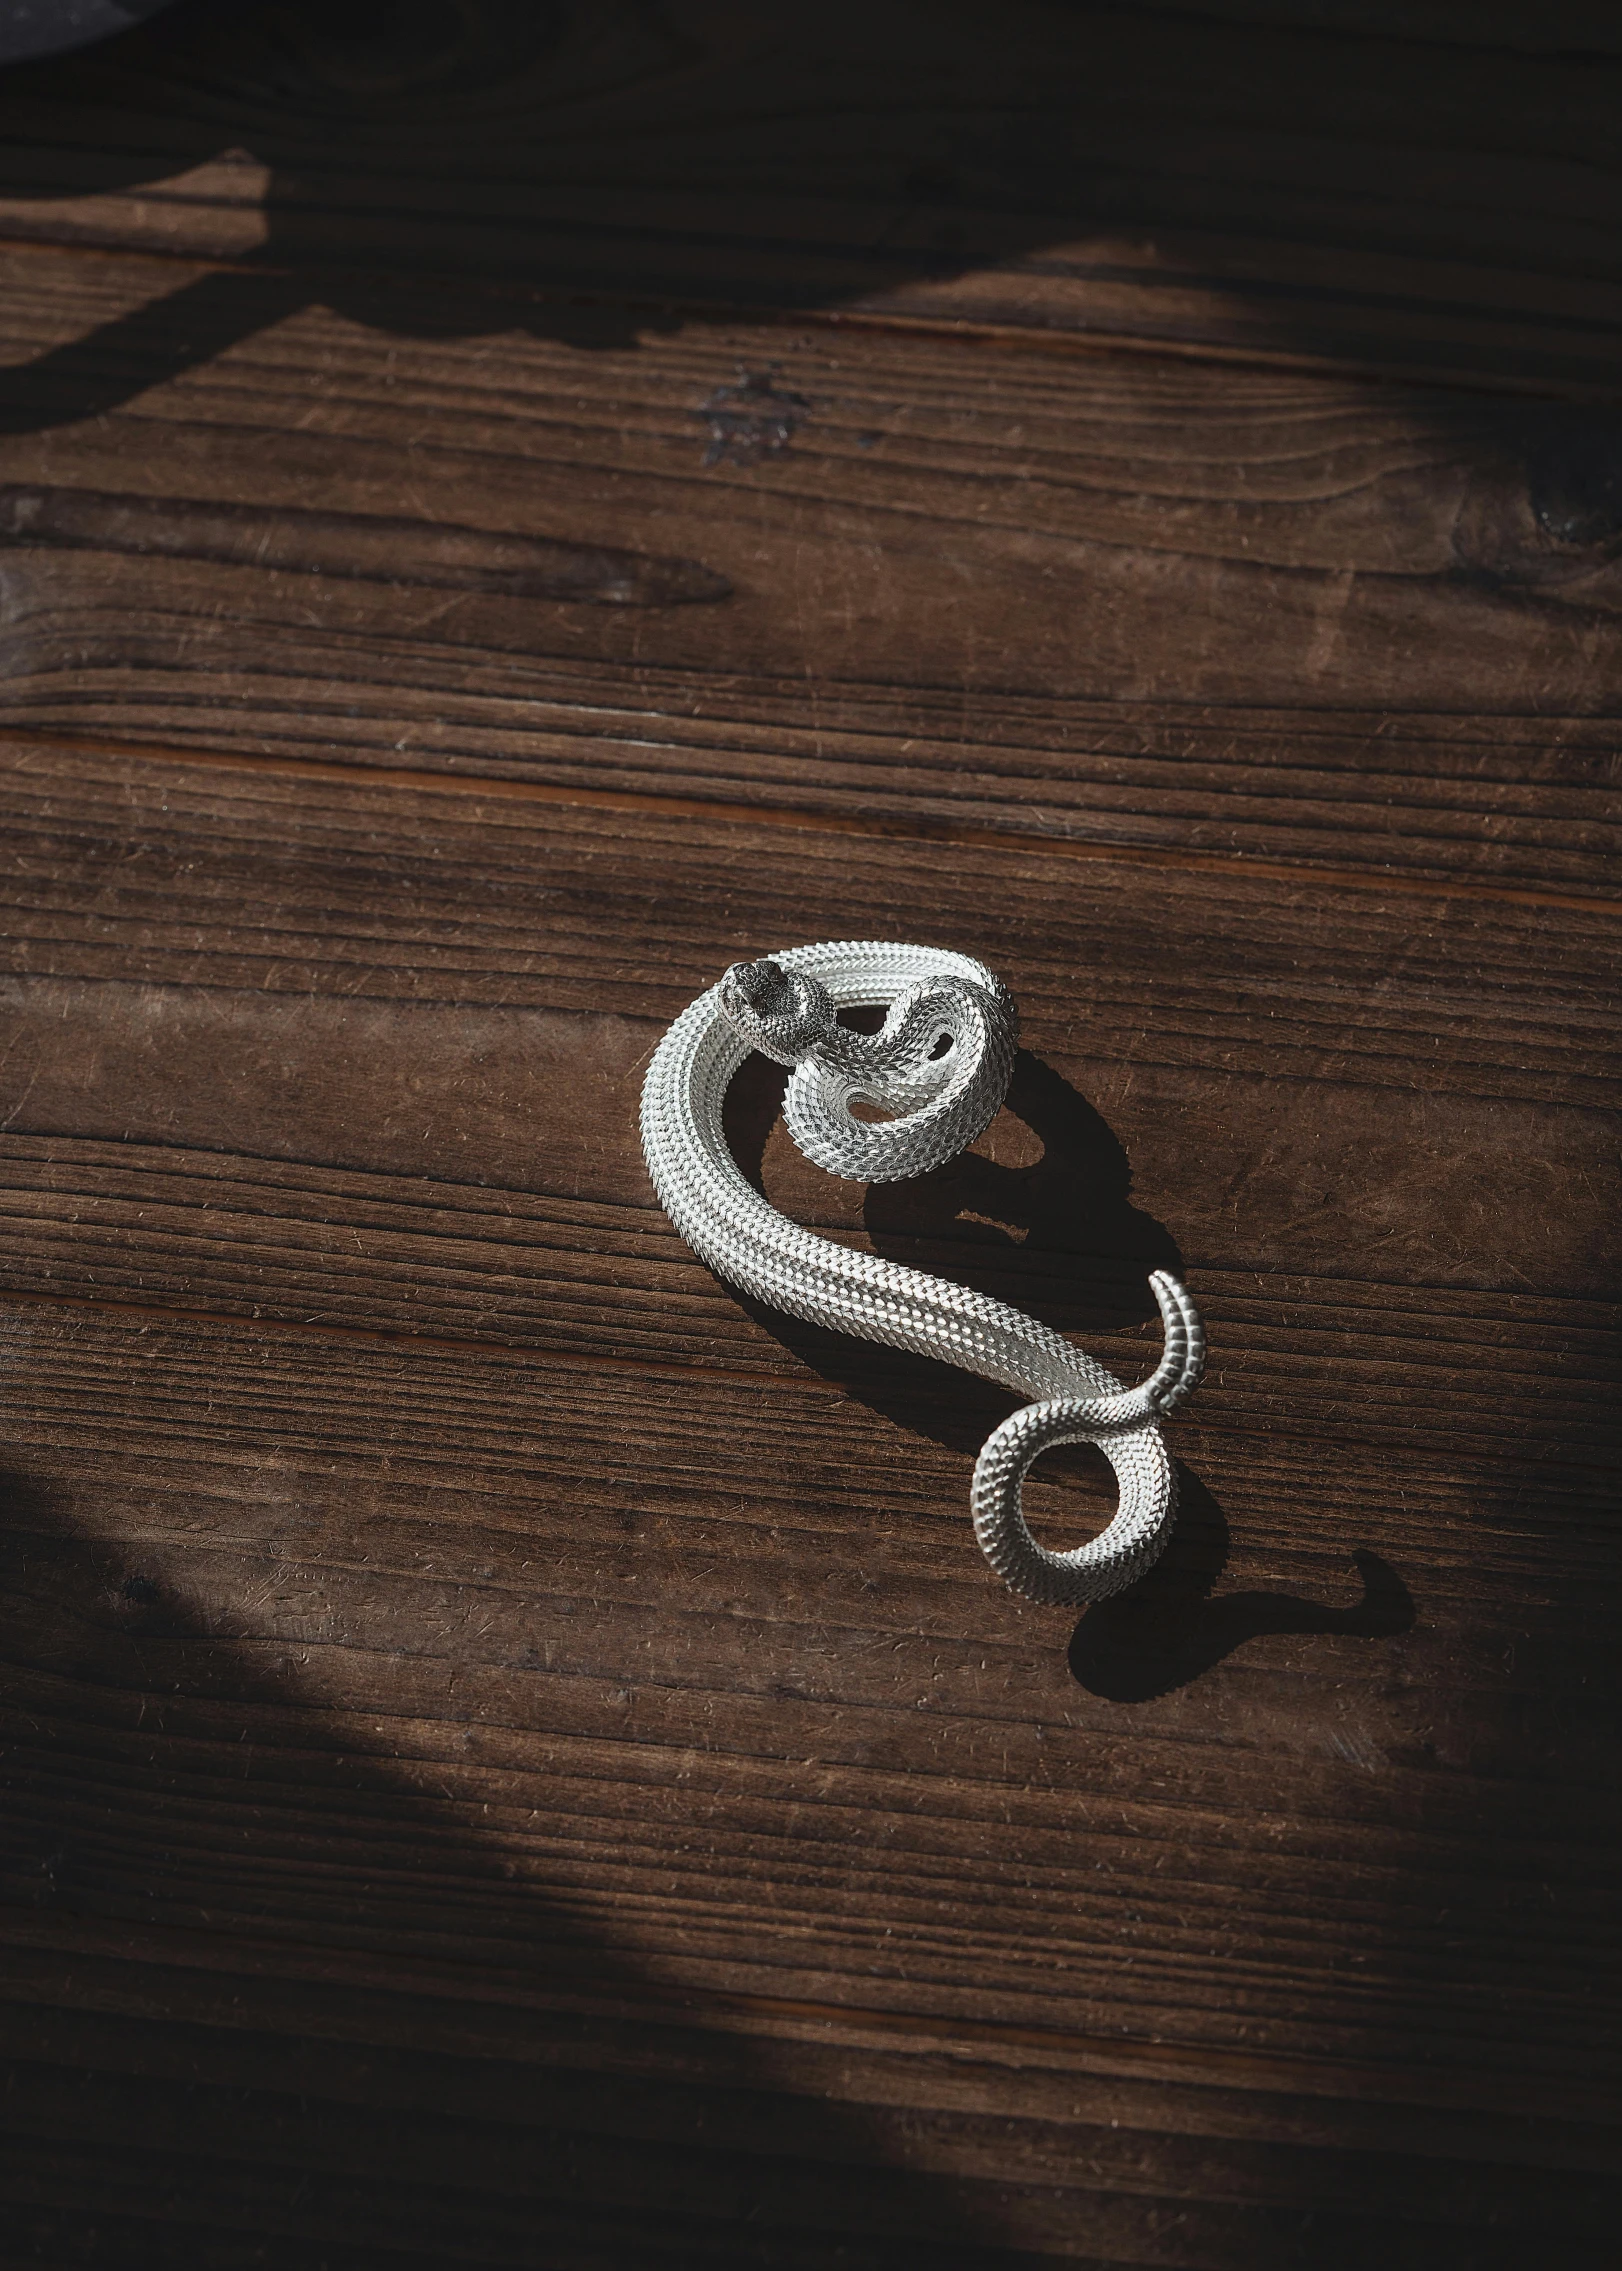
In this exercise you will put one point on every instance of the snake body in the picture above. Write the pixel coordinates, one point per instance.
(940, 1067)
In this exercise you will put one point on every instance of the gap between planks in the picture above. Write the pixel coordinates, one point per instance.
(802, 819)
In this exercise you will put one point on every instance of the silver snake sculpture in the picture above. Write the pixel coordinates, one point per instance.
(939, 1067)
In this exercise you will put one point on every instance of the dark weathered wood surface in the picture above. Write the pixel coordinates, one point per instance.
(1336, 191)
(511, 1754)
(1174, 605)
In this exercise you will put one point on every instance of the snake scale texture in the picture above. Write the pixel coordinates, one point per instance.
(939, 1069)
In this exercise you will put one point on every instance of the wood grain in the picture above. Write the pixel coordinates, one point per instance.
(1103, 600)
(1365, 1211)
(1379, 1262)
(510, 2110)
(614, 1679)
(611, 1704)
(605, 1711)
(1345, 192)
(510, 1755)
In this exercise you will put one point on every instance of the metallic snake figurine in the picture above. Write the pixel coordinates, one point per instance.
(940, 1067)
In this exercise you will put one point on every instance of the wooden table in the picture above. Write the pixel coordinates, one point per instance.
(513, 1756)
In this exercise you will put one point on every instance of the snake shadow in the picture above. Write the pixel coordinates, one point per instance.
(1169, 1628)
(1059, 1237)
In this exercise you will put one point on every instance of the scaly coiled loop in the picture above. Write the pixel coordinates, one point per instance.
(940, 1066)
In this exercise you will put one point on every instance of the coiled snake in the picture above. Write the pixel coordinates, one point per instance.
(940, 1067)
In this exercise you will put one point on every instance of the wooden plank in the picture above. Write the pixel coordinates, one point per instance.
(660, 1710)
(1338, 192)
(1414, 1357)
(1168, 2171)
(1370, 1182)
(323, 900)
(547, 1820)
(1105, 600)
(508, 1753)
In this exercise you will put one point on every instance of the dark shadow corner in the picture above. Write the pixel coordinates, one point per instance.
(994, 144)
(165, 1772)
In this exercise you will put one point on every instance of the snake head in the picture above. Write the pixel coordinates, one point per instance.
(782, 1013)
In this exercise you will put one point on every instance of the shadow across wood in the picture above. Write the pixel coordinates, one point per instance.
(166, 1769)
(272, 1643)
(1168, 1629)
(1068, 595)
(600, 165)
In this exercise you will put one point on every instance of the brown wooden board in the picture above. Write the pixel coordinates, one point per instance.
(1427, 192)
(318, 1048)
(1097, 598)
(314, 1044)
(721, 1675)
(494, 2120)
(511, 1754)
(441, 1684)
